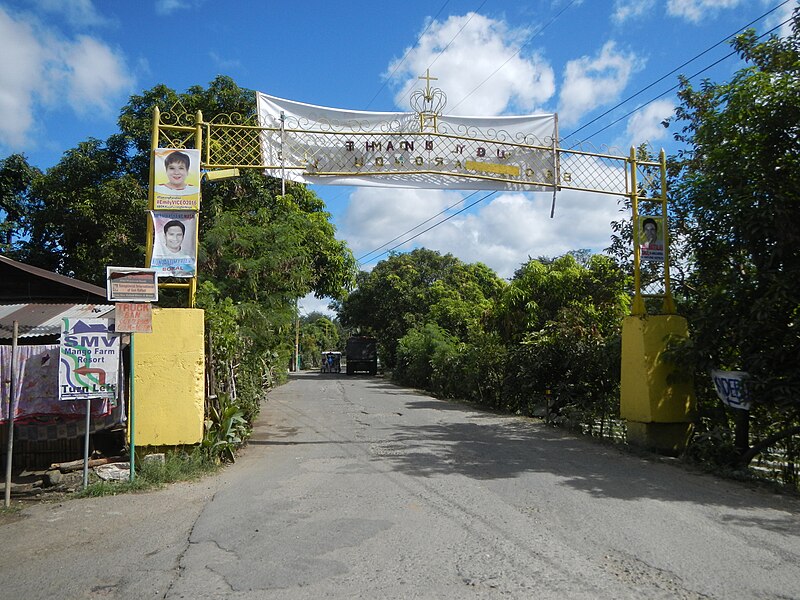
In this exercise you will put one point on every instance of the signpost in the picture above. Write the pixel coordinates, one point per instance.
(88, 367)
(133, 289)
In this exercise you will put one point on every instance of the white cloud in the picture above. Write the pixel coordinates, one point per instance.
(41, 68)
(168, 7)
(697, 10)
(592, 82)
(309, 304)
(631, 9)
(21, 77)
(645, 125)
(375, 216)
(463, 52)
(779, 16)
(501, 233)
(224, 64)
(78, 13)
(96, 74)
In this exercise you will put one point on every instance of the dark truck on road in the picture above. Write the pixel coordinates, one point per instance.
(362, 355)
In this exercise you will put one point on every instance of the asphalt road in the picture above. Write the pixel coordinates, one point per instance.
(355, 488)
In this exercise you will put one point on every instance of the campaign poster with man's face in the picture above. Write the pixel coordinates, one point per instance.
(651, 238)
(177, 179)
(174, 244)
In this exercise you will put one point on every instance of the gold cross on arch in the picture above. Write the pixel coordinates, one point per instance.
(427, 77)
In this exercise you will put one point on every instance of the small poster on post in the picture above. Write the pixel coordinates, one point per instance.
(134, 317)
(177, 179)
(731, 387)
(650, 235)
(131, 284)
(174, 244)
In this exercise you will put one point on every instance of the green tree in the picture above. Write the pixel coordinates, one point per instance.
(86, 212)
(259, 249)
(410, 290)
(561, 321)
(738, 199)
(318, 334)
(16, 178)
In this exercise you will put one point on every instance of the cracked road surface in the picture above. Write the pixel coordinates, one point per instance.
(355, 488)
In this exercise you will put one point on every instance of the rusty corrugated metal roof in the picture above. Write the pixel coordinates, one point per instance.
(45, 319)
(66, 288)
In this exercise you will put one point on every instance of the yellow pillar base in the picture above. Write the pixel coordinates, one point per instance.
(656, 398)
(169, 371)
(669, 439)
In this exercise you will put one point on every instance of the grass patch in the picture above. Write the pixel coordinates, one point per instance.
(10, 511)
(177, 466)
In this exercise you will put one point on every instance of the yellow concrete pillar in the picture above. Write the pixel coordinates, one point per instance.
(656, 398)
(169, 379)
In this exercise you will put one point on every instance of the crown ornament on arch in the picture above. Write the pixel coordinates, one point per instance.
(428, 104)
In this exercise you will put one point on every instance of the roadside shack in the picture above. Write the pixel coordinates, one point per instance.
(47, 429)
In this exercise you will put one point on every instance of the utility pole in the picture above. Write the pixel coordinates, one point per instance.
(297, 336)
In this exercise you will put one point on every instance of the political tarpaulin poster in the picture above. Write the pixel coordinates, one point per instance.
(174, 245)
(650, 233)
(89, 359)
(177, 179)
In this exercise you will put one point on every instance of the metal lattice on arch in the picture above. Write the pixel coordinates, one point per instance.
(293, 146)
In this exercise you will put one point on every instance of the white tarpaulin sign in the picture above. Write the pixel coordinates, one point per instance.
(319, 145)
(731, 388)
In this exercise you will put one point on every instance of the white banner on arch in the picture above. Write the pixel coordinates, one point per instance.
(319, 145)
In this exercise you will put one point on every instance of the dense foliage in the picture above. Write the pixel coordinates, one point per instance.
(460, 331)
(259, 250)
(407, 291)
(319, 333)
(737, 198)
(561, 321)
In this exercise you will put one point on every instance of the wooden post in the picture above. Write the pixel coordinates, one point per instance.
(12, 393)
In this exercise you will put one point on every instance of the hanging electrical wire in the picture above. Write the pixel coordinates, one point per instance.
(434, 226)
(452, 206)
(402, 60)
(674, 87)
(453, 39)
(545, 26)
(699, 55)
(675, 70)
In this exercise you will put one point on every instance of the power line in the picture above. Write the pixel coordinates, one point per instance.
(433, 226)
(675, 70)
(472, 14)
(674, 87)
(363, 256)
(402, 60)
(443, 50)
(580, 128)
(550, 22)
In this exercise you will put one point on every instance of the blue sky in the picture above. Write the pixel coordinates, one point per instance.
(69, 65)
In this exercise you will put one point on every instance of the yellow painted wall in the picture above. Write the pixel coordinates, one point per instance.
(169, 367)
(648, 394)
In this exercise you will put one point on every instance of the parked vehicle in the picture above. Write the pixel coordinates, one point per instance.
(331, 362)
(362, 355)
